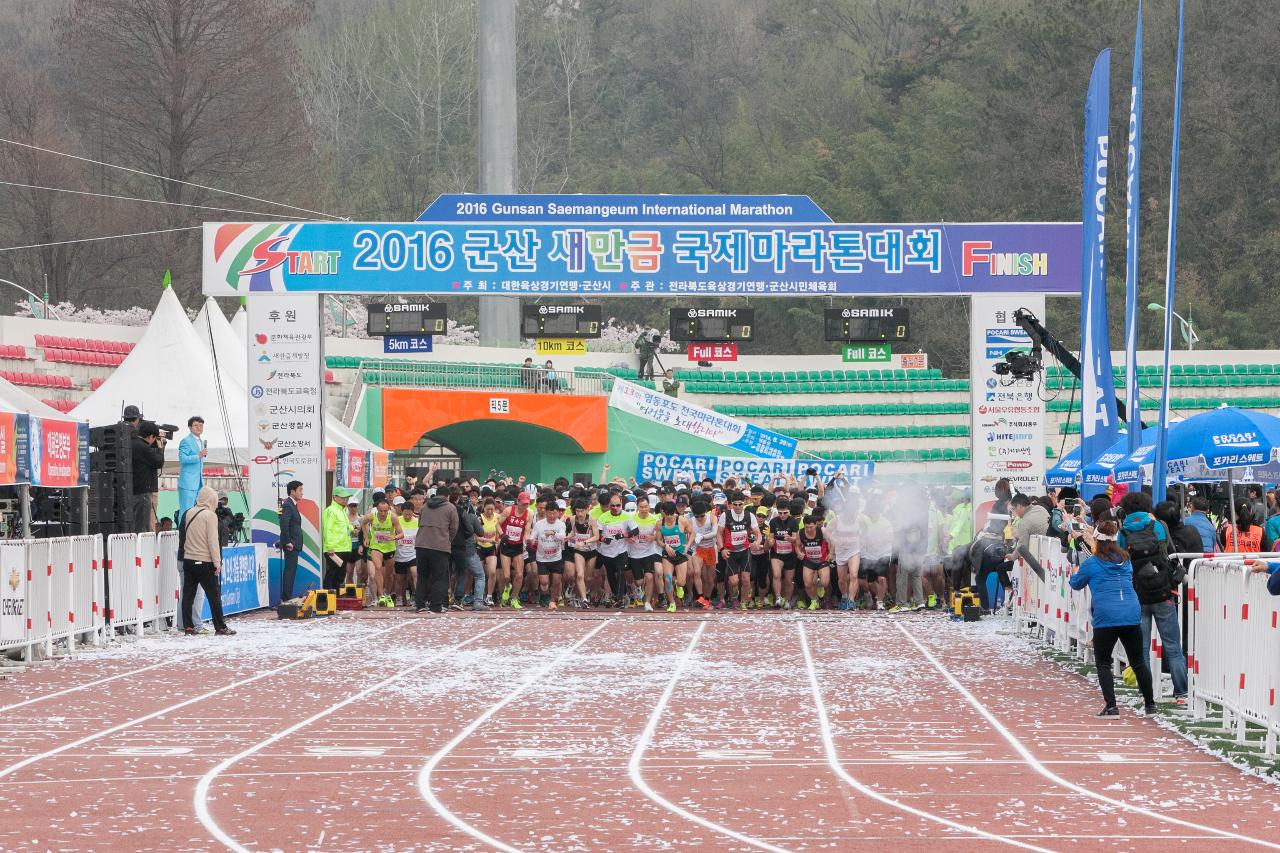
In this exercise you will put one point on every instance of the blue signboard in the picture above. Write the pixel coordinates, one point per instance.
(459, 207)
(658, 466)
(406, 343)
(614, 259)
(243, 587)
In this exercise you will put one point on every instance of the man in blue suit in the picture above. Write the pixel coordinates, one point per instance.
(191, 454)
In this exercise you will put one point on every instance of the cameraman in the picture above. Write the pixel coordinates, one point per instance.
(646, 346)
(463, 555)
(147, 451)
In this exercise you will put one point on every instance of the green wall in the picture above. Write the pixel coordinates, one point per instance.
(368, 419)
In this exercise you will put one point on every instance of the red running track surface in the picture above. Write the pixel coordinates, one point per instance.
(600, 731)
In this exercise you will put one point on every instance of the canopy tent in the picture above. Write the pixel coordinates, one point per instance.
(1066, 471)
(170, 377)
(240, 324)
(13, 400)
(227, 350)
(1219, 444)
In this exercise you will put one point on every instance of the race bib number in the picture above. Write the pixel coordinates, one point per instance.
(737, 538)
(783, 546)
(382, 536)
(514, 532)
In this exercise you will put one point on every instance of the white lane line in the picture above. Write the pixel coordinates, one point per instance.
(424, 775)
(833, 760)
(646, 737)
(201, 797)
(1039, 767)
(33, 700)
(27, 762)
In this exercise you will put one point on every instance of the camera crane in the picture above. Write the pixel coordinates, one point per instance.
(1020, 365)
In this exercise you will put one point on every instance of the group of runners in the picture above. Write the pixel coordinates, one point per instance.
(667, 546)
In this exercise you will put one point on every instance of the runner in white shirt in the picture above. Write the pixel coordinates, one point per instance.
(704, 552)
(547, 537)
(842, 531)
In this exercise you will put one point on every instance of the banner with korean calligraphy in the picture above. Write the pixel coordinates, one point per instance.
(657, 466)
(697, 421)
(650, 258)
(9, 425)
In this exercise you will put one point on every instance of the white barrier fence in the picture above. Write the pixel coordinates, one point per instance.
(1230, 630)
(53, 592)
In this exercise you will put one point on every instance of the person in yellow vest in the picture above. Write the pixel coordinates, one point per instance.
(335, 537)
(381, 531)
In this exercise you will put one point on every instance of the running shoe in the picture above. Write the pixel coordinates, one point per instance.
(786, 604)
(920, 605)
(468, 599)
(718, 604)
(648, 608)
(552, 605)
(879, 605)
(702, 602)
(933, 601)
(524, 596)
(1151, 710)
(844, 604)
(1180, 701)
(813, 605)
(544, 599)
(671, 608)
(455, 606)
(488, 601)
(680, 592)
(743, 604)
(1109, 711)
(822, 592)
(506, 593)
(515, 604)
(768, 600)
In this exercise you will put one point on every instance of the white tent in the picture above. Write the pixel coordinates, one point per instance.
(14, 399)
(240, 324)
(170, 377)
(227, 349)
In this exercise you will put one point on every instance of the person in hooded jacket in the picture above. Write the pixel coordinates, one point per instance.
(437, 528)
(1116, 613)
(201, 553)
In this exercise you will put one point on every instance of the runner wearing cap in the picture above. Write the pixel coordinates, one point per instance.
(738, 532)
(516, 522)
(381, 532)
(580, 551)
(406, 567)
(761, 506)
(547, 536)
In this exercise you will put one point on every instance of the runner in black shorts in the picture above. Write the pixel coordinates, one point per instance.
(783, 528)
(737, 533)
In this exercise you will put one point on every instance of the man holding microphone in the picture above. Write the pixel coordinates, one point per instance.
(191, 453)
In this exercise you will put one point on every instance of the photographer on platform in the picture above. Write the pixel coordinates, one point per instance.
(147, 449)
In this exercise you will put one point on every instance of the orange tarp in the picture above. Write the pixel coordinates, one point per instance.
(409, 413)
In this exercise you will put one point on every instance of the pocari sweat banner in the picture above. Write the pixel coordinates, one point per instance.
(657, 466)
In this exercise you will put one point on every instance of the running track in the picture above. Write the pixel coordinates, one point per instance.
(600, 731)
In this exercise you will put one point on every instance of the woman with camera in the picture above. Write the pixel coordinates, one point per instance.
(1116, 613)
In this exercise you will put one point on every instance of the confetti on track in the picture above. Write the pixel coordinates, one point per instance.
(327, 753)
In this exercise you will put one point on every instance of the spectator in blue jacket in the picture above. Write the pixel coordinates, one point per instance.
(1199, 519)
(1116, 613)
(1272, 569)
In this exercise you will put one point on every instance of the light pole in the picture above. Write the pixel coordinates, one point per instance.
(1188, 333)
(48, 311)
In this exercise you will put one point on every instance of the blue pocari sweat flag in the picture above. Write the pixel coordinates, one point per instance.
(1131, 212)
(1170, 291)
(1098, 426)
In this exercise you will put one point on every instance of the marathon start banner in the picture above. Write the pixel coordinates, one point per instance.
(684, 467)
(703, 423)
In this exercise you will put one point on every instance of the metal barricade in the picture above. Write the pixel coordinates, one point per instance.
(168, 576)
(1234, 642)
(89, 613)
(39, 616)
(15, 573)
(62, 616)
(123, 578)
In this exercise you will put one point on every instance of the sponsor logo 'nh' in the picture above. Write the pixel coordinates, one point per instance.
(978, 252)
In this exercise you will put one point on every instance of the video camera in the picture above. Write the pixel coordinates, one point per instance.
(1019, 365)
(166, 431)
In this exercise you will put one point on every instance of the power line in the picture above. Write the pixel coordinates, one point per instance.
(92, 239)
(164, 178)
(135, 198)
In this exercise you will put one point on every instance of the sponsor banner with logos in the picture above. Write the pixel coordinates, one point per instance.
(244, 580)
(683, 467)
(1007, 417)
(47, 452)
(704, 423)
(286, 366)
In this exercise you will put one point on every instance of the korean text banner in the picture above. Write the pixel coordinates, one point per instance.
(243, 579)
(55, 457)
(703, 423)
(601, 259)
(10, 423)
(683, 467)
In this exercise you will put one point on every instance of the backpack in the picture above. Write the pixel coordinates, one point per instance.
(1152, 574)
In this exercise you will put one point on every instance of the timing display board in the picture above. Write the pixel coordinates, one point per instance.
(867, 324)
(416, 318)
(712, 324)
(560, 321)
